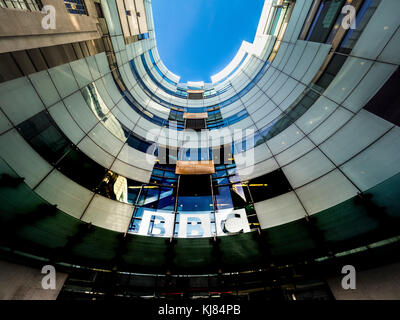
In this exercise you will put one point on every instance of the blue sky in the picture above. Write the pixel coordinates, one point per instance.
(198, 38)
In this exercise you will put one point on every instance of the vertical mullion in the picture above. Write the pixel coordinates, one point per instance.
(214, 208)
(176, 205)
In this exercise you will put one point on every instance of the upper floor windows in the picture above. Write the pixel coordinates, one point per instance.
(31, 5)
(76, 6)
(324, 20)
(159, 71)
(278, 15)
(364, 15)
(327, 18)
(143, 36)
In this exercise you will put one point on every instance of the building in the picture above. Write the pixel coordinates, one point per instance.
(261, 184)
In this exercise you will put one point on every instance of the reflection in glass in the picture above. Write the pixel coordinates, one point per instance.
(114, 187)
(102, 112)
(223, 198)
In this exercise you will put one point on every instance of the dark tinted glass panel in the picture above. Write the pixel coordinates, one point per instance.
(386, 102)
(195, 124)
(133, 190)
(268, 186)
(137, 143)
(331, 71)
(167, 199)
(195, 185)
(195, 96)
(195, 203)
(363, 16)
(195, 193)
(169, 174)
(251, 217)
(235, 196)
(240, 195)
(45, 137)
(324, 20)
(223, 198)
(83, 170)
(222, 155)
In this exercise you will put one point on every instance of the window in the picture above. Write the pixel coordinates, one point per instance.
(211, 92)
(196, 124)
(273, 27)
(31, 5)
(324, 20)
(195, 95)
(363, 16)
(268, 186)
(76, 6)
(143, 36)
(385, 103)
(45, 137)
(330, 73)
(134, 189)
(83, 170)
(99, 10)
(350, 39)
(195, 193)
(195, 154)
(167, 155)
(157, 197)
(138, 143)
(96, 103)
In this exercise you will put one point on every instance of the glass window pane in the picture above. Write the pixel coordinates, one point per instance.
(80, 168)
(45, 137)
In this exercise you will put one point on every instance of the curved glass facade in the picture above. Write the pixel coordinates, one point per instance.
(284, 151)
